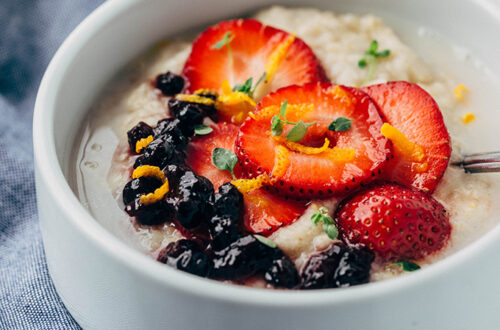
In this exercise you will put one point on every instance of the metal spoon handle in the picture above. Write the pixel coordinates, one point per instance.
(481, 162)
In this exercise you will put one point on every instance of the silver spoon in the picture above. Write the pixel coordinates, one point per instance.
(480, 162)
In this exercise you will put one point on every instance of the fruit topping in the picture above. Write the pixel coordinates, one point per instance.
(191, 199)
(143, 196)
(228, 209)
(149, 214)
(173, 131)
(140, 186)
(250, 255)
(419, 130)
(282, 274)
(136, 134)
(187, 256)
(155, 172)
(169, 84)
(189, 115)
(245, 48)
(351, 157)
(229, 202)
(264, 212)
(396, 222)
(336, 267)
(160, 152)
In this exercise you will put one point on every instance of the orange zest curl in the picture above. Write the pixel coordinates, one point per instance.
(234, 105)
(247, 185)
(155, 172)
(294, 146)
(143, 143)
(410, 150)
(277, 56)
(192, 98)
(281, 163)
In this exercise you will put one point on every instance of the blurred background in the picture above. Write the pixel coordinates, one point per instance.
(30, 33)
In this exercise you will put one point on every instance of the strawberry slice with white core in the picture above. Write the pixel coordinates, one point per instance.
(264, 212)
(422, 151)
(352, 157)
(252, 48)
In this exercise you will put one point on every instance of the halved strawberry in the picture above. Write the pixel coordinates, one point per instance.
(251, 49)
(327, 173)
(396, 222)
(264, 212)
(414, 112)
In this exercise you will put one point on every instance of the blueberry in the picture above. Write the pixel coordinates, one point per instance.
(337, 266)
(189, 114)
(187, 256)
(192, 199)
(149, 215)
(169, 84)
(282, 273)
(229, 202)
(160, 153)
(354, 267)
(223, 231)
(242, 258)
(139, 131)
(136, 187)
(170, 130)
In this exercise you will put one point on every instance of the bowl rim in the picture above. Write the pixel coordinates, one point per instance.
(66, 200)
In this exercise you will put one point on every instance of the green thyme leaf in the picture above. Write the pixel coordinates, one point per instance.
(276, 126)
(331, 230)
(370, 59)
(202, 130)
(226, 40)
(407, 266)
(373, 48)
(283, 109)
(225, 160)
(246, 87)
(265, 241)
(383, 53)
(341, 124)
(329, 225)
(298, 132)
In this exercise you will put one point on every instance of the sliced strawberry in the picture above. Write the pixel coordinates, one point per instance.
(318, 175)
(251, 49)
(396, 222)
(264, 212)
(414, 112)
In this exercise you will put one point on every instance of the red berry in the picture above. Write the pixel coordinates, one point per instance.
(396, 222)
(414, 112)
(317, 175)
(251, 48)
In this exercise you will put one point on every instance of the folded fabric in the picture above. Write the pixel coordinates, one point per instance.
(31, 32)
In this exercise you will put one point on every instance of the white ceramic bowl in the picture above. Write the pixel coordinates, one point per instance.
(107, 285)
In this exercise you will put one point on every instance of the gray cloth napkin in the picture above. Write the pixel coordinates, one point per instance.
(30, 33)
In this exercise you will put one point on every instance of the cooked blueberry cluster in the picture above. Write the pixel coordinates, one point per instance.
(217, 247)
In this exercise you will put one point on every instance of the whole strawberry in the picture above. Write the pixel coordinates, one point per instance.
(395, 222)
